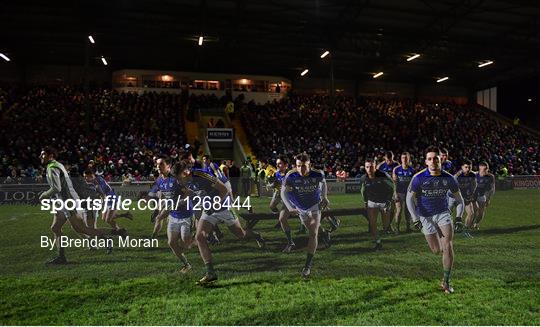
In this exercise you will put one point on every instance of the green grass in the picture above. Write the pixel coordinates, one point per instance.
(496, 277)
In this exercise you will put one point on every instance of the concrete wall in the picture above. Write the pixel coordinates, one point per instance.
(322, 85)
(435, 92)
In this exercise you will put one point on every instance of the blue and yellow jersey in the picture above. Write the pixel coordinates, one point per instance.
(431, 191)
(304, 191)
(404, 176)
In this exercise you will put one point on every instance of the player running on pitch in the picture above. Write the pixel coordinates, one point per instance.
(466, 179)
(282, 167)
(304, 192)
(176, 210)
(377, 190)
(87, 191)
(109, 214)
(214, 238)
(484, 191)
(428, 205)
(61, 187)
(388, 165)
(214, 169)
(212, 190)
(446, 164)
(163, 188)
(402, 176)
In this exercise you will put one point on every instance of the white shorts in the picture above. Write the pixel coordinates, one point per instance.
(384, 206)
(481, 199)
(224, 216)
(429, 223)
(182, 226)
(305, 215)
(229, 187)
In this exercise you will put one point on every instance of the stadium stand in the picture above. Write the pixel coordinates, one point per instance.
(344, 132)
(339, 133)
(127, 130)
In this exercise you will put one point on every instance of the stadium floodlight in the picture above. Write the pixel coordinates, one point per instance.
(442, 79)
(200, 40)
(411, 58)
(104, 61)
(304, 72)
(6, 58)
(379, 74)
(91, 38)
(326, 53)
(484, 64)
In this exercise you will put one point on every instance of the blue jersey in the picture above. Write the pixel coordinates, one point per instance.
(404, 177)
(278, 179)
(213, 169)
(485, 184)
(197, 164)
(171, 189)
(103, 187)
(304, 191)
(431, 191)
(203, 184)
(388, 168)
(448, 166)
(467, 185)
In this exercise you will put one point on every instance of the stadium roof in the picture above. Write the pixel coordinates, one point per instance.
(283, 37)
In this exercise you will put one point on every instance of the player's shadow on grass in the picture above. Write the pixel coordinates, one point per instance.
(260, 264)
(353, 250)
(161, 248)
(322, 313)
(497, 231)
(67, 264)
(351, 238)
(229, 284)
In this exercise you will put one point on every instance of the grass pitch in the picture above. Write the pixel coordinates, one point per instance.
(496, 276)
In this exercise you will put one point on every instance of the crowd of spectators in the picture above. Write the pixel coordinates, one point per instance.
(340, 134)
(119, 135)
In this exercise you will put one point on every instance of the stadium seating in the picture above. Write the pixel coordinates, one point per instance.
(126, 130)
(344, 132)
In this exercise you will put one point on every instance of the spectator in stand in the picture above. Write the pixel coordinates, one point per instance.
(401, 125)
(341, 174)
(128, 129)
(127, 179)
